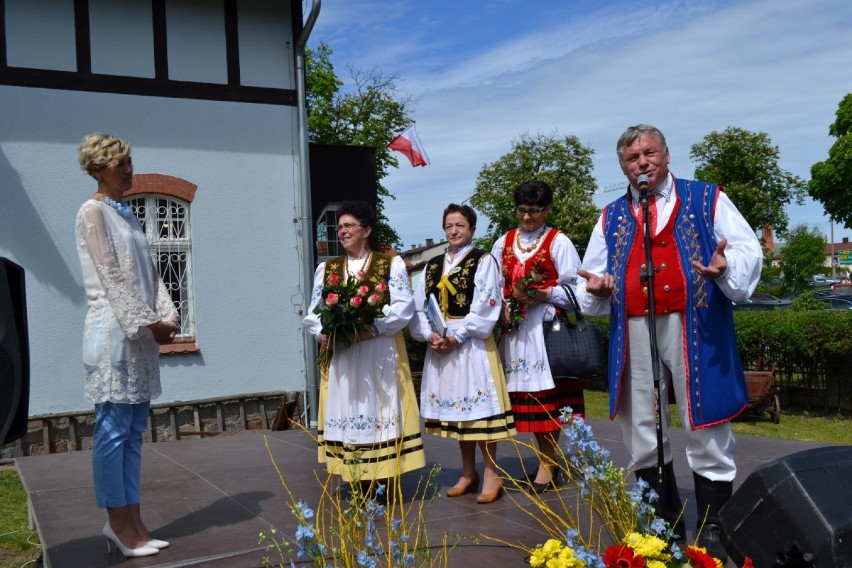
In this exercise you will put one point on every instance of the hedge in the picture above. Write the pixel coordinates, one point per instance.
(811, 352)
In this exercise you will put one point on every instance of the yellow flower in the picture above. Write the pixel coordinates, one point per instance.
(649, 546)
(552, 547)
(537, 558)
(566, 555)
(654, 564)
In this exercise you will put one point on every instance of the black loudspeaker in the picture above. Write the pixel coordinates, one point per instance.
(14, 353)
(796, 511)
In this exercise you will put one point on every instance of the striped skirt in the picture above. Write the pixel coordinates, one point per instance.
(490, 429)
(540, 411)
(380, 460)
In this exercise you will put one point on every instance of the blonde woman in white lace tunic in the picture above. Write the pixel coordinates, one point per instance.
(130, 313)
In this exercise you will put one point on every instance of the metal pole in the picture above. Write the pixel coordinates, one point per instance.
(304, 217)
(646, 274)
(833, 259)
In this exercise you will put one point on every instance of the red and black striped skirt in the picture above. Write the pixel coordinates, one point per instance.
(540, 411)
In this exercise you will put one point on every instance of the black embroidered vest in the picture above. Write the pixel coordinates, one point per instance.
(461, 277)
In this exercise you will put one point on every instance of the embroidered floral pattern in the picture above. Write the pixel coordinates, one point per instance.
(619, 257)
(399, 282)
(361, 423)
(522, 366)
(486, 293)
(686, 228)
(466, 404)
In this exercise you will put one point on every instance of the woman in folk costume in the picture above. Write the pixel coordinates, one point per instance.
(369, 425)
(536, 260)
(463, 394)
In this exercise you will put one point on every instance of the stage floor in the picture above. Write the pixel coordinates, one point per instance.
(212, 497)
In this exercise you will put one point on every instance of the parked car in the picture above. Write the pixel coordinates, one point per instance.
(836, 303)
(820, 280)
(760, 301)
(842, 289)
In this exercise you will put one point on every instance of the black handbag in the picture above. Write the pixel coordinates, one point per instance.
(574, 350)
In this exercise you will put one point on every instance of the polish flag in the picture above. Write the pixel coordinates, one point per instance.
(408, 143)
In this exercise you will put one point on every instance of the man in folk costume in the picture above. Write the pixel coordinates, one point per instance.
(705, 255)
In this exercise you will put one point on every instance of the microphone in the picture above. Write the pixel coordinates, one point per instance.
(642, 185)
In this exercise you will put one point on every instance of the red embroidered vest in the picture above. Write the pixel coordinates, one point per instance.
(541, 260)
(669, 285)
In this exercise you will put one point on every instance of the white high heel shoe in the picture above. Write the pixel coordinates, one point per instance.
(156, 543)
(111, 537)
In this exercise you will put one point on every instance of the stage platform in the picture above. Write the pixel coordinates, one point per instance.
(212, 497)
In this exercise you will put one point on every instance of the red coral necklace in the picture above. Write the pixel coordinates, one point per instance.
(534, 245)
(361, 268)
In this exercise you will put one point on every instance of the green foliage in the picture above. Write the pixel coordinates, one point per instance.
(368, 113)
(746, 164)
(560, 161)
(831, 179)
(811, 352)
(805, 303)
(18, 544)
(803, 257)
(771, 281)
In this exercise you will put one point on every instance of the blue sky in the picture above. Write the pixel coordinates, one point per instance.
(484, 72)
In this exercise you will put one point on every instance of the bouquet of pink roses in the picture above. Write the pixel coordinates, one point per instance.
(346, 307)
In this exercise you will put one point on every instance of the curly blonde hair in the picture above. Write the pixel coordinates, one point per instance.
(98, 151)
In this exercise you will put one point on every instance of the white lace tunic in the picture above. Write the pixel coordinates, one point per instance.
(459, 386)
(125, 294)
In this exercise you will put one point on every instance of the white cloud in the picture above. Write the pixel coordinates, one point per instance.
(776, 66)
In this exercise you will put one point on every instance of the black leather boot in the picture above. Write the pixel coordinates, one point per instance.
(709, 498)
(669, 506)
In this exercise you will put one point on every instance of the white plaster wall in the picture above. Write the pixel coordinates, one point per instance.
(245, 261)
(196, 41)
(40, 34)
(266, 44)
(122, 37)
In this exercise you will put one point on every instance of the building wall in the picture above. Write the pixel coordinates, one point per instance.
(243, 158)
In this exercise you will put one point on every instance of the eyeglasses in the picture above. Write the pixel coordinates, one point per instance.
(531, 211)
(348, 226)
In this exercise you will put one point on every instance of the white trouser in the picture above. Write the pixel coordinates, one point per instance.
(709, 451)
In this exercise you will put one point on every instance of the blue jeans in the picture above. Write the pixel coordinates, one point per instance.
(117, 452)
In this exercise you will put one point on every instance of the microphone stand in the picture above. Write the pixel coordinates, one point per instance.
(646, 276)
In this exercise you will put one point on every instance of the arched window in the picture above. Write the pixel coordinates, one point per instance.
(162, 205)
(328, 244)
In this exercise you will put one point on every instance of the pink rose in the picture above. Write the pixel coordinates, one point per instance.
(356, 301)
(374, 299)
(334, 279)
(332, 299)
(382, 287)
(361, 274)
(362, 290)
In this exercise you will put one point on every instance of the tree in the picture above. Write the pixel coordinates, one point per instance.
(746, 164)
(369, 114)
(563, 163)
(802, 257)
(831, 180)
(770, 276)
